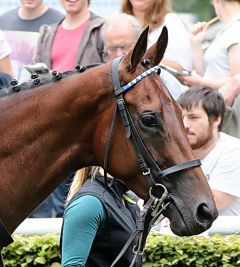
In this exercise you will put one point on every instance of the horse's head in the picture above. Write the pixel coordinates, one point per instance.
(157, 141)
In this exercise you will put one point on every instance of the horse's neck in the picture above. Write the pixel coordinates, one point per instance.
(45, 133)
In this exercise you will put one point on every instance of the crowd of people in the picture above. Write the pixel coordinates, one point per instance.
(208, 95)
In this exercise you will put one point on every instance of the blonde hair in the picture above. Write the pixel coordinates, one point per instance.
(80, 177)
(155, 13)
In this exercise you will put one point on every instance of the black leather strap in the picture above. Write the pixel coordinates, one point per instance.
(182, 166)
(115, 77)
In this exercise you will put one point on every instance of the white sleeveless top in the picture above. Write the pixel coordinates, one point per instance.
(216, 56)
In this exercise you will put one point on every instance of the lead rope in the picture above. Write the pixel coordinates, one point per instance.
(147, 217)
(139, 229)
(151, 215)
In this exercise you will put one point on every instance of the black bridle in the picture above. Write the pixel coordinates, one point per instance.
(149, 168)
(155, 204)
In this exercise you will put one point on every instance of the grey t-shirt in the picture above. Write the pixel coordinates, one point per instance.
(10, 21)
(22, 36)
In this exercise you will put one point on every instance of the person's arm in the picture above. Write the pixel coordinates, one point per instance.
(82, 219)
(222, 200)
(6, 66)
(197, 80)
(231, 90)
(5, 61)
(233, 57)
(234, 65)
(42, 48)
(197, 35)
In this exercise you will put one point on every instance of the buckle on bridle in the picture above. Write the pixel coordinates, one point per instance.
(136, 251)
(157, 206)
(162, 188)
(147, 172)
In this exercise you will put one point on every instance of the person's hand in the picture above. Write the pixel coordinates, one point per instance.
(198, 32)
(193, 79)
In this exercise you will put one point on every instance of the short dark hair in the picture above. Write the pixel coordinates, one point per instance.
(211, 101)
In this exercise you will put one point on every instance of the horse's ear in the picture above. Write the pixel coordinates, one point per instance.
(155, 52)
(137, 53)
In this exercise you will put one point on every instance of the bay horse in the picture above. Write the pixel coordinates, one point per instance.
(65, 123)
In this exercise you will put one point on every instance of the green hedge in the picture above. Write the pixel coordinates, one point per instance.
(195, 251)
(160, 251)
(27, 251)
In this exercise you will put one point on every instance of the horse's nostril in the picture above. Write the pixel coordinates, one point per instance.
(204, 214)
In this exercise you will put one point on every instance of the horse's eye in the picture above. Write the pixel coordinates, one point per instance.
(149, 120)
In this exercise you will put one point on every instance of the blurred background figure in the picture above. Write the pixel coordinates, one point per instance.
(21, 26)
(75, 40)
(118, 43)
(156, 14)
(215, 66)
(6, 72)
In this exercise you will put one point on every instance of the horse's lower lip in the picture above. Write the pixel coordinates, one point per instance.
(179, 224)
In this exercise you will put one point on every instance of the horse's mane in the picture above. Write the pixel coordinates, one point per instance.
(37, 81)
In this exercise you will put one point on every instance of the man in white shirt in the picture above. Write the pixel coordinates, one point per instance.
(203, 110)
